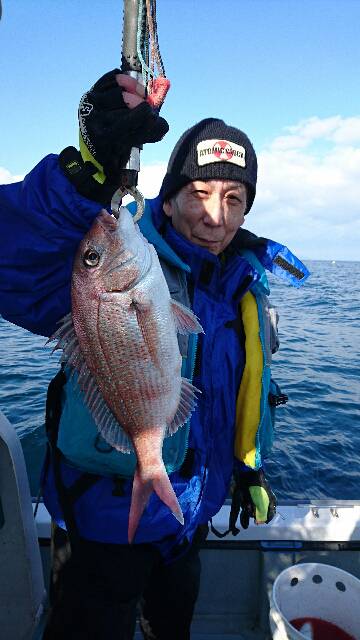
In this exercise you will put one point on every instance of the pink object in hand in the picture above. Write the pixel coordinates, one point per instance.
(158, 89)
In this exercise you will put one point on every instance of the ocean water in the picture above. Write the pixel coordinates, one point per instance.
(317, 436)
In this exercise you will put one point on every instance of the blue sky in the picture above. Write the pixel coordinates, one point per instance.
(284, 71)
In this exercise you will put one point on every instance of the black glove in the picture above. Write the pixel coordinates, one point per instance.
(109, 129)
(252, 494)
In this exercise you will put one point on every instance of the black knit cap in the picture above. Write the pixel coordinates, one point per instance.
(229, 155)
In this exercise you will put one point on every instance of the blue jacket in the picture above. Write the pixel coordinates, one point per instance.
(42, 221)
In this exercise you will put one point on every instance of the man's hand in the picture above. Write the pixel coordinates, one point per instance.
(253, 495)
(114, 117)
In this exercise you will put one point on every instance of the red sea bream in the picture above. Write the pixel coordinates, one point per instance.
(121, 340)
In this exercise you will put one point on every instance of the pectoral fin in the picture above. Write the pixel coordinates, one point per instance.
(185, 320)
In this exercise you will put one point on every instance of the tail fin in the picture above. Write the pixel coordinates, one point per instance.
(141, 492)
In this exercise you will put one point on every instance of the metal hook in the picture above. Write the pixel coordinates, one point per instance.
(118, 196)
(140, 201)
(116, 202)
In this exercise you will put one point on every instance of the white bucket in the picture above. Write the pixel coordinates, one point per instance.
(313, 590)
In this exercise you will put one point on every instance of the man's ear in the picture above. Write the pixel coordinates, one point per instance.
(168, 208)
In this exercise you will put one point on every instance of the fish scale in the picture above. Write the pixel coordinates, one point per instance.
(121, 339)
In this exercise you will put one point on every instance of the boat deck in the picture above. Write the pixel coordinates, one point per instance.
(237, 572)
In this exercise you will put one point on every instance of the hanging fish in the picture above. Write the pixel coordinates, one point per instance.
(121, 340)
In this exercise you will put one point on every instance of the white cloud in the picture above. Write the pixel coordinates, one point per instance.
(150, 179)
(314, 128)
(309, 189)
(348, 131)
(6, 177)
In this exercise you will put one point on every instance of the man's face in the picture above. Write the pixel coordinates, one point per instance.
(208, 213)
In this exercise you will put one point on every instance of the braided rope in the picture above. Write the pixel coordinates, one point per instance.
(159, 61)
(151, 36)
(145, 70)
(149, 54)
(155, 51)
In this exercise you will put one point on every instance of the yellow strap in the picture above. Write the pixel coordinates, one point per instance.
(248, 401)
(87, 156)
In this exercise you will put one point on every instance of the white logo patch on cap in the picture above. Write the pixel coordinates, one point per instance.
(209, 151)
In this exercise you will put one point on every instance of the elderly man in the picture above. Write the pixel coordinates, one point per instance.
(212, 266)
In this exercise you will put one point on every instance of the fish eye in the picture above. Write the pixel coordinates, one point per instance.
(91, 258)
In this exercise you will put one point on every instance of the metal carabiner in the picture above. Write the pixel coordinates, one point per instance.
(118, 196)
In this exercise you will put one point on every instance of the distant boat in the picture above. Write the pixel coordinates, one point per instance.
(333, 261)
